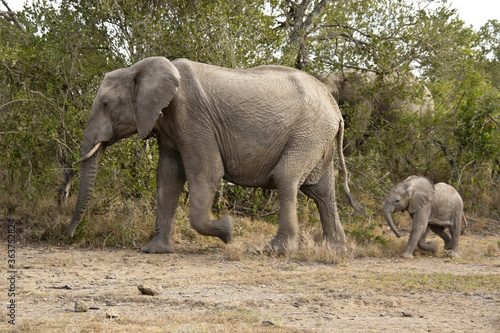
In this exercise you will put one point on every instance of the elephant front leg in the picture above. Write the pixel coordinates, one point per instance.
(419, 227)
(202, 192)
(170, 180)
(427, 246)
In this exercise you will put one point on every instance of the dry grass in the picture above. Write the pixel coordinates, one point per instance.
(253, 243)
(492, 249)
(222, 321)
(131, 224)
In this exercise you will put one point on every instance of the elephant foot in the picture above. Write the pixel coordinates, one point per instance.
(282, 245)
(406, 255)
(225, 229)
(428, 246)
(222, 228)
(338, 249)
(453, 254)
(158, 245)
(447, 246)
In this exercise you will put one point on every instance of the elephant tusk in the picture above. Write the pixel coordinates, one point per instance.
(89, 154)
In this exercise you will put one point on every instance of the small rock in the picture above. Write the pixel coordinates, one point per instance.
(81, 306)
(391, 303)
(267, 323)
(150, 288)
(112, 314)
(407, 314)
(66, 286)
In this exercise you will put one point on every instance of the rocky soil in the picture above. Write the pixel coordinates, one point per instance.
(87, 290)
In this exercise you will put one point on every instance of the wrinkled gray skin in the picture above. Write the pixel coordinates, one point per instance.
(269, 126)
(354, 92)
(435, 207)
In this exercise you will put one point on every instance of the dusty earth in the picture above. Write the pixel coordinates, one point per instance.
(203, 291)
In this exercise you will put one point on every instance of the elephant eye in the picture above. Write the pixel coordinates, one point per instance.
(105, 104)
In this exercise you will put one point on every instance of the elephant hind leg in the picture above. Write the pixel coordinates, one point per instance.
(439, 230)
(455, 230)
(287, 175)
(286, 239)
(323, 194)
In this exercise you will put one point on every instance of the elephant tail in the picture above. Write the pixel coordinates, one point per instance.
(340, 143)
(465, 224)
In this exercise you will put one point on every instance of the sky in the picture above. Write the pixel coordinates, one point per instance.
(473, 12)
(477, 12)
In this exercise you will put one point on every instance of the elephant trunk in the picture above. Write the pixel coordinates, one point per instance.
(87, 180)
(390, 222)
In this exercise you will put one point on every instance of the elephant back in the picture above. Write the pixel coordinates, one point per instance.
(446, 199)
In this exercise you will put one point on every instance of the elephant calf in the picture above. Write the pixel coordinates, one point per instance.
(431, 206)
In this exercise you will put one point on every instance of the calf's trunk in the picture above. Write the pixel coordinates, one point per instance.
(390, 222)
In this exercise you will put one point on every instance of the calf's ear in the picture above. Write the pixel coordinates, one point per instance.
(421, 192)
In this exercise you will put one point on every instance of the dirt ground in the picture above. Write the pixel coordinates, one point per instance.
(203, 291)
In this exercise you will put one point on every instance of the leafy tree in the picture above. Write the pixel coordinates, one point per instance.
(53, 58)
(47, 75)
(228, 33)
(489, 56)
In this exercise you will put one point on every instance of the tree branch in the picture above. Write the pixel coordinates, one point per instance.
(302, 26)
(451, 161)
(13, 101)
(11, 16)
(316, 12)
(494, 120)
(335, 35)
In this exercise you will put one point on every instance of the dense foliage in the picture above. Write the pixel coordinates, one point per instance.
(53, 55)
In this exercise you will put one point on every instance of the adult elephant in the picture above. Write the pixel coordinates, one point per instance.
(269, 126)
(367, 100)
(435, 207)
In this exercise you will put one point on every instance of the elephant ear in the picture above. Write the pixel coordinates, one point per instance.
(421, 190)
(156, 81)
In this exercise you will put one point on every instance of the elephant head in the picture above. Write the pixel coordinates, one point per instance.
(366, 97)
(333, 82)
(349, 87)
(411, 194)
(129, 101)
(355, 93)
